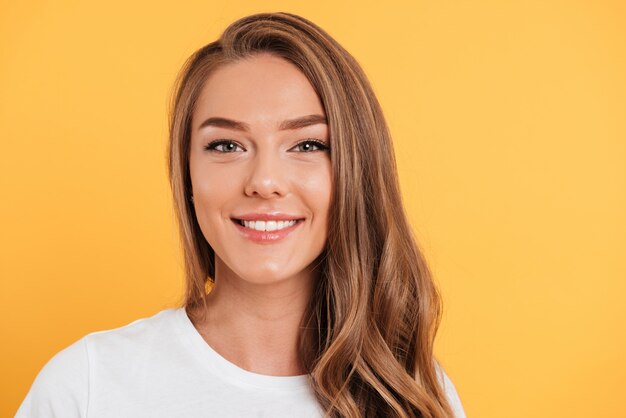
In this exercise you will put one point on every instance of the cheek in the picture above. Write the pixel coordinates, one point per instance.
(317, 187)
(211, 189)
(213, 192)
(212, 183)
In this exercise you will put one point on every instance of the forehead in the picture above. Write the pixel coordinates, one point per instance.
(261, 89)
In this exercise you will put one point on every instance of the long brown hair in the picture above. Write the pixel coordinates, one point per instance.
(367, 335)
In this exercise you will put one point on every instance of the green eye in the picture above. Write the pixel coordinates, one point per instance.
(310, 144)
(226, 146)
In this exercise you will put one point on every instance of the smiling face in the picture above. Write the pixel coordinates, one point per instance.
(260, 152)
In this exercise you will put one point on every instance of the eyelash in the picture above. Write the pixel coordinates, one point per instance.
(212, 145)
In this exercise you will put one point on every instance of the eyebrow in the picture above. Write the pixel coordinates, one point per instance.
(288, 124)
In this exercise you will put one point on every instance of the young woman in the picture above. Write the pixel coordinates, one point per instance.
(286, 194)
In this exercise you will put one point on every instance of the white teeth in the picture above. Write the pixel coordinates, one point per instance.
(268, 225)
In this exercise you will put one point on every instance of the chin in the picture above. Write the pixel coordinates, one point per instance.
(263, 278)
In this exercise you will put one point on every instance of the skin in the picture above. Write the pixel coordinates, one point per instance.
(261, 290)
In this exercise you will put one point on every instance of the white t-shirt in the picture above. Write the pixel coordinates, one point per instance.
(160, 367)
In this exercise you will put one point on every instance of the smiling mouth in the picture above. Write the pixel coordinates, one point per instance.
(267, 226)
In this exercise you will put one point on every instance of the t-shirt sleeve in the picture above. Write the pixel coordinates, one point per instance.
(452, 394)
(61, 387)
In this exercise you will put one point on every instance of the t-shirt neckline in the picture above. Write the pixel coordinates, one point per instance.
(231, 371)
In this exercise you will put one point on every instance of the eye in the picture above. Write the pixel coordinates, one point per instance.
(226, 145)
(309, 145)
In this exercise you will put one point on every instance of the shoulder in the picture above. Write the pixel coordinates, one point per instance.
(115, 353)
(451, 392)
(131, 337)
(62, 386)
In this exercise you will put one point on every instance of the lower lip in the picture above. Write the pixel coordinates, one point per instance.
(266, 237)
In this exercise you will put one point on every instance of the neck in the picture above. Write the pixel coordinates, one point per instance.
(257, 326)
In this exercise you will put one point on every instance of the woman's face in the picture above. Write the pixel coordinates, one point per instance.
(253, 158)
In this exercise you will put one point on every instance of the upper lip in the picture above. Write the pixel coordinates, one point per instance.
(273, 216)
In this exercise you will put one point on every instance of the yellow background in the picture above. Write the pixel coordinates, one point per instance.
(509, 126)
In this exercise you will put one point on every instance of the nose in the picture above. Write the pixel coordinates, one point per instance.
(267, 177)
